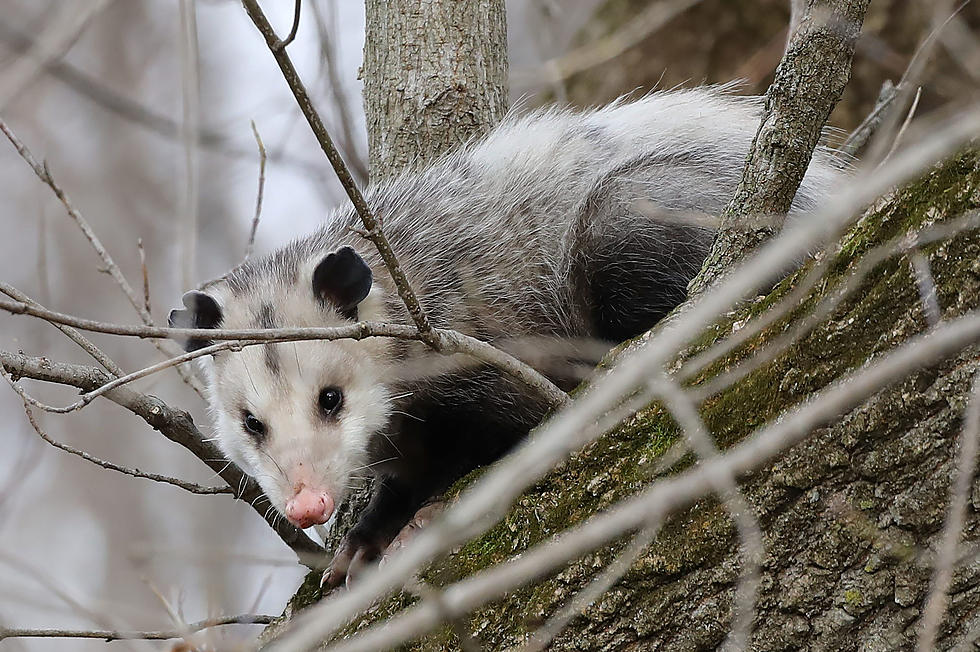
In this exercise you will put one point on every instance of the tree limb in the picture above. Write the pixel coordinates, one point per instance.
(809, 82)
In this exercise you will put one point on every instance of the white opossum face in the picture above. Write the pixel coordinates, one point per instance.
(297, 416)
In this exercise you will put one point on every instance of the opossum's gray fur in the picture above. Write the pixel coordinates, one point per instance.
(489, 235)
(557, 224)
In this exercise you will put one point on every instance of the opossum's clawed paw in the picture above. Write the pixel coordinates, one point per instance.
(357, 552)
(354, 556)
(422, 518)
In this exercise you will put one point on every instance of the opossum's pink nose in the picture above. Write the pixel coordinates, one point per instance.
(309, 507)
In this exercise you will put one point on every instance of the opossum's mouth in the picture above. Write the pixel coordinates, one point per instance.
(309, 507)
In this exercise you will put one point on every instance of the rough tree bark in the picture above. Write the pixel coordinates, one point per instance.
(435, 75)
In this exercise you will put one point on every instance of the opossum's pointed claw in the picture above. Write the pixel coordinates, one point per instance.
(425, 515)
(351, 559)
(356, 554)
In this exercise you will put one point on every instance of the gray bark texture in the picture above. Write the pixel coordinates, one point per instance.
(809, 82)
(435, 76)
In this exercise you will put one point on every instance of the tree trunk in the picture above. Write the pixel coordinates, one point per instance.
(435, 76)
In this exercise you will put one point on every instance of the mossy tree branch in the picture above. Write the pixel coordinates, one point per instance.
(808, 84)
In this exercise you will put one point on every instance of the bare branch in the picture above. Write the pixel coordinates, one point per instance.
(176, 425)
(121, 635)
(935, 606)
(862, 134)
(809, 82)
(373, 227)
(105, 97)
(72, 334)
(682, 407)
(448, 341)
(146, 276)
(614, 572)
(609, 47)
(187, 206)
(192, 487)
(295, 28)
(327, 34)
(52, 44)
(44, 175)
(259, 194)
(905, 125)
(942, 14)
(774, 346)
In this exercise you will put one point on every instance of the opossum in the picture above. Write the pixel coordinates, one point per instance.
(556, 224)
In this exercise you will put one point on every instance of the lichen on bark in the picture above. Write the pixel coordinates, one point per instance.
(847, 514)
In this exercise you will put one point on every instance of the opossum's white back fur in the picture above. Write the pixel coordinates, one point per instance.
(494, 238)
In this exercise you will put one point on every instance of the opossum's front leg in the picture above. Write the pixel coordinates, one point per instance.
(392, 506)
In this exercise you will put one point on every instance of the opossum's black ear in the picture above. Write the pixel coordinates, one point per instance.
(343, 279)
(202, 312)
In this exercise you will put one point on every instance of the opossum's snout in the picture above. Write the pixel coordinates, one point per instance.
(309, 507)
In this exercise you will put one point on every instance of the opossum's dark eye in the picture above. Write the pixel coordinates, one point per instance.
(253, 425)
(330, 400)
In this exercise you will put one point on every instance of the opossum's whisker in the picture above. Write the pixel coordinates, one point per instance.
(392, 442)
(299, 367)
(249, 374)
(368, 466)
(271, 459)
(410, 416)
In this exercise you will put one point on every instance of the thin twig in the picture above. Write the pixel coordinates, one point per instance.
(328, 53)
(863, 132)
(53, 42)
(121, 635)
(447, 340)
(88, 397)
(609, 47)
(942, 14)
(187, 208)
(146, 277)
(776, 345)
(86, 345)
(176, 425)
(103, 96)
(42, 172)
(608, 578)
(259, 194)
(192, 487)
(905, 125)
(682, 407)
(281, 45)
(936, 603)
(373, 229)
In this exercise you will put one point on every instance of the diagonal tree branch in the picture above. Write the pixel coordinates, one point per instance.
(809, 82)
(175, 424)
